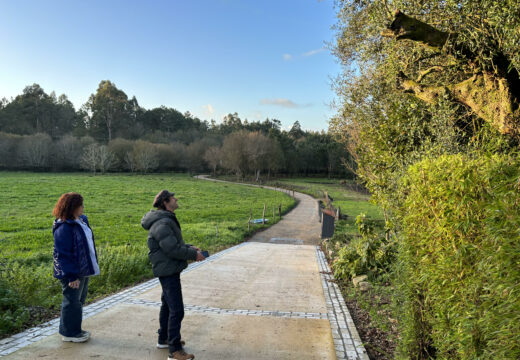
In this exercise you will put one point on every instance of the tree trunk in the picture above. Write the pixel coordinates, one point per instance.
(492, 94)
(485, 94)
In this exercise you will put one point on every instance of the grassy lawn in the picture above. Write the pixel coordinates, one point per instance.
(114, 205)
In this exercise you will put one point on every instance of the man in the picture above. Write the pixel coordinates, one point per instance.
(169, 255)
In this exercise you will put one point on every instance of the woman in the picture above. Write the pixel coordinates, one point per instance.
(75, 259)
(169, 255)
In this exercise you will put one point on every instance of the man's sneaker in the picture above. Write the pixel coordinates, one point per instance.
(164, 345)
(180, 355)
(81, 337)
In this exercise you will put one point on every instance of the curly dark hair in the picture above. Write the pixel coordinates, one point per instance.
(67, 205)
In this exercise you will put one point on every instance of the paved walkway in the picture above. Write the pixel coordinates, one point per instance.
(269, 298)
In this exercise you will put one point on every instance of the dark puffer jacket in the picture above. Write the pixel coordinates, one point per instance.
(168, 252)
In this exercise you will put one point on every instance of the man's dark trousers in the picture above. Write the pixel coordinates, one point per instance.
(172, 312)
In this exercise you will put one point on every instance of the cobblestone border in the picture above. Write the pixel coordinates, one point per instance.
(347, 342)
(220, 311)
(37, 333)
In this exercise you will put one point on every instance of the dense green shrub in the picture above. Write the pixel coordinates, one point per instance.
(369, 253)
(120, 266)
(12, 316)
(460, 256)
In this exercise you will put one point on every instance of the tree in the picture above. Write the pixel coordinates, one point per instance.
(9, 146)
(89, 160)
(491, 91)
(145, 156)
(257, 152)
(98, 157)
(34, 111)
(68, 151)
(108, 109)
(35, 151)
(296, 130)
(194, 154)
(213, 157)
(121, 148)
(106, 158)
(440, 82)
(275, 158)
(233, 155)
(230, 124)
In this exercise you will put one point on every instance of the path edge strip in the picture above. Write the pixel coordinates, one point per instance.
(347, 342)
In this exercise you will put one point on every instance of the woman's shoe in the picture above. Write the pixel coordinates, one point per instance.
(81, 337)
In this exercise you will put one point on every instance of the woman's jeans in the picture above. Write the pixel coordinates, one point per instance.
(72, 307)
(172, 312)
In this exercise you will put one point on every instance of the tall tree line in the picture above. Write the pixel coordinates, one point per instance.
(111, 132)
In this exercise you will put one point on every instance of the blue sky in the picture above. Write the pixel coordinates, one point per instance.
(260, 58)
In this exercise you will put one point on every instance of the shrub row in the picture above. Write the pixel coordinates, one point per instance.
(459, 255)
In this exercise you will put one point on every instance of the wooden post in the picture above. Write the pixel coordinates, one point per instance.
(273, 216)
(280, 211)
(263, 216)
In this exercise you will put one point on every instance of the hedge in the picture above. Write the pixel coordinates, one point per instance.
(460, 258)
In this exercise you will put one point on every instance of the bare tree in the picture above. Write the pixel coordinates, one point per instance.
(9, 145)
(89, 160)
(130, 161)
(121, 147)
(106, 158)
(213, 157)
(35, 150)
(234, 157)
(257, 152)
(194, 155)
(145, 156)
(68, 151)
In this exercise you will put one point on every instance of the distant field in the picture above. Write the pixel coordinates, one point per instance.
(114, 205)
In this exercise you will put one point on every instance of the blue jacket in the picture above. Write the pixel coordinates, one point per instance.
(71, 253)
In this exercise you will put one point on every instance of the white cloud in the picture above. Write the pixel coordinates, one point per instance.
(283, 103)
(313, 52)
(208, 110)
(289, 57)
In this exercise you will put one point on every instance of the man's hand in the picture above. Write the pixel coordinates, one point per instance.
(75, 284)
(194, 247)
(200, 257)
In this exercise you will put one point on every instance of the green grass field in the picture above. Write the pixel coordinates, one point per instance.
(114, 205)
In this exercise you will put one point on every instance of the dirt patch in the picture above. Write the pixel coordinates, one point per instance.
(380, 344)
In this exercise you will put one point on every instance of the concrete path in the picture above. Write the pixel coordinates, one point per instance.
(299, 227)
(269, 298)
